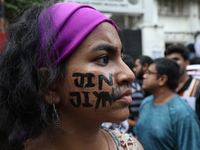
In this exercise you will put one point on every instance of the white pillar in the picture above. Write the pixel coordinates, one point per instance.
(153, 43)
(194, 16)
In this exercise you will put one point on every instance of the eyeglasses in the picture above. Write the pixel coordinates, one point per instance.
(150, 72)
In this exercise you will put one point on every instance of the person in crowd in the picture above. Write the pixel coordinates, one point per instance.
(137, 95)
(61, 77)
(192, 52)
(141, 65)
(188, 87)
(166, 121)
(195, 60)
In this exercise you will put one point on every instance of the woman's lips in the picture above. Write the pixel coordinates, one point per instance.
(125, 97)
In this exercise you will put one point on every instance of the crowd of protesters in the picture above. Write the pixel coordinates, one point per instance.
(169, 117)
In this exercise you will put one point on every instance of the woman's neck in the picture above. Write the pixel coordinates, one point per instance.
(74, 139)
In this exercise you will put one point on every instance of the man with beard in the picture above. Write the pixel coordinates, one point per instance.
(188, 87)
(166, 122)
(141, 65)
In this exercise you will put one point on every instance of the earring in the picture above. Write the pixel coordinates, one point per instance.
(55, 117)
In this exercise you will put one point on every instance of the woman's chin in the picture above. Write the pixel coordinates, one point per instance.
(120, 116)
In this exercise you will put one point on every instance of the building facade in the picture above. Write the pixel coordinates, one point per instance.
(151, 25)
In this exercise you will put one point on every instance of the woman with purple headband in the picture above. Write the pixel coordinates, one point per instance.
(61, 77)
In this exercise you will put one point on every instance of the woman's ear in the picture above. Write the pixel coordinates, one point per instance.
(50, 94)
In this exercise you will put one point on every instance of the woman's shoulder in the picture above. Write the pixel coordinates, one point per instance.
(123, 141)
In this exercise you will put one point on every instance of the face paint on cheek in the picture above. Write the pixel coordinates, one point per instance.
(81, 81)
(77, 98)
(103, 78)
(106, 97)
(102, 97)
(86, 98)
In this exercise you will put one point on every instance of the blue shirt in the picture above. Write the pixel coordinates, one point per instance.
(171, 126)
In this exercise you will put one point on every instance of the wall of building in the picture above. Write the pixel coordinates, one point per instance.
(161, 22)
(162, 25)
(180, 27)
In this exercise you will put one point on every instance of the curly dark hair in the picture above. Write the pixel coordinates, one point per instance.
(23, 112)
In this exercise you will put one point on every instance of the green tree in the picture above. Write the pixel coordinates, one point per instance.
(14, 8)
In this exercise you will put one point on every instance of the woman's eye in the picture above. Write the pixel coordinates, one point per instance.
(103, 60)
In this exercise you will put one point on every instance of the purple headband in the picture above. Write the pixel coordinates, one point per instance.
(70, 24)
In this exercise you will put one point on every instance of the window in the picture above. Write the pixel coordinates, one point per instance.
(174, 7)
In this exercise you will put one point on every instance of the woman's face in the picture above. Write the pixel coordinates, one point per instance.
(96, 82)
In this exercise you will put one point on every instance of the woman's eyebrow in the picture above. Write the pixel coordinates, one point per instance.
(105, 47)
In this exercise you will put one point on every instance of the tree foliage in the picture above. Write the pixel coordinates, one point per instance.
(14, 8)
